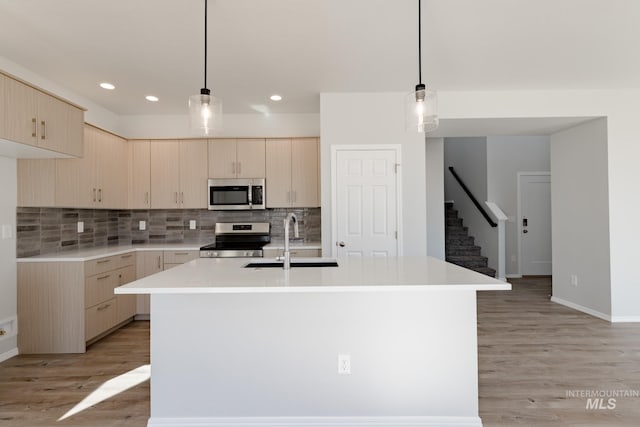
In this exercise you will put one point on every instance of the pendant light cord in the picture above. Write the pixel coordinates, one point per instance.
(205, 43)
(419, 41)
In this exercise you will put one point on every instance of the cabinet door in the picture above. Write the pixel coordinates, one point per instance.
(111, 171)
(147, 263)
(52, 122)
(36, 182)
(21, 114)
(3, 105)
(139, 175)
(278, 173)
(304, 172)
(75, 136)
(165, 174)
(250, 158)
(125, 304)
(75, 178)
(222, 158)
(193, 174)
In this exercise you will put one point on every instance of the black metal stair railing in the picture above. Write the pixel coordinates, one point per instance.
(473, 199)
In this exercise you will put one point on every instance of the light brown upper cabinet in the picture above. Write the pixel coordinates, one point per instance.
(100, 178)
(35, 118)
(3, 104)
(139, 174)
(292, 173)
(236, 158)
(178, 174)
(36, 182)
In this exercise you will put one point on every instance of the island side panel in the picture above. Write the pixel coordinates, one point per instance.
(276, 355)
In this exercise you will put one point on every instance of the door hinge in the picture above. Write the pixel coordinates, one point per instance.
(396, 233)
(397, 165)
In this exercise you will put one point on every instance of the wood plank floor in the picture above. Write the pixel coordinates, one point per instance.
(531, 353)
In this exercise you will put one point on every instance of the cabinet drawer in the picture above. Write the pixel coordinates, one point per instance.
(101, 265)
(180, 257)
(126, 259)
(297, 253)
(100, 318)
(99, 288)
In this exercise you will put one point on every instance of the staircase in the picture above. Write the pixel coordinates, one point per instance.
(459, 246)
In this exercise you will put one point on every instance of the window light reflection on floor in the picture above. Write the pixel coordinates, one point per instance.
(111, 388)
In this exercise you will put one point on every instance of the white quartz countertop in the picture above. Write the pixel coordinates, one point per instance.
(228, 275)
(105, 251)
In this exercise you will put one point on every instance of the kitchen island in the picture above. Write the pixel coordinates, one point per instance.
(373, 342)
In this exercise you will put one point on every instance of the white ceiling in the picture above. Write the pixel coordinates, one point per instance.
(299, 48)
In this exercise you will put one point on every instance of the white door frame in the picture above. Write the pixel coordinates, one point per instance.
(518, 218)
(334, 182)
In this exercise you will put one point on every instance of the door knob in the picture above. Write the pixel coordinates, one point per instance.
(341, 244)
(525, 231)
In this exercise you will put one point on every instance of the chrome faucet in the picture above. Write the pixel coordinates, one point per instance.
(287, 255)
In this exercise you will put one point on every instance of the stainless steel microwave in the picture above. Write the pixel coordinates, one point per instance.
(236, 194)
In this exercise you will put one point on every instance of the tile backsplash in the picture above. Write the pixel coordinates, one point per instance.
(46, 230)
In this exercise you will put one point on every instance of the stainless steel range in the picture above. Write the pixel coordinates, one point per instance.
(238, 240)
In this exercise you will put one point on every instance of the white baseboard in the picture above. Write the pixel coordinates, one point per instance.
(625, 319)
(317, 422)
(581, 308)
(514, 276)
(142, 317)
(8, 354)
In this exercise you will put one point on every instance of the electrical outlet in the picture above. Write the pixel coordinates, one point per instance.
(574, 280)
(2, 332)
(192, 224)
(80, 227)
(344, 364)
(142, 225)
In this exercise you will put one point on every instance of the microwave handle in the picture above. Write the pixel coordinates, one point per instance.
(250, 195)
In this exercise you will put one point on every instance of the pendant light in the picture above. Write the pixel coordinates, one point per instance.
(421, 106)
(205, 110)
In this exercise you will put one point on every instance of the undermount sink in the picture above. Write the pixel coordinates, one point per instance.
(293, 264)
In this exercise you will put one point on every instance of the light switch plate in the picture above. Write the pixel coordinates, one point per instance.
(192, 224)
(142, 225)
(80, 226)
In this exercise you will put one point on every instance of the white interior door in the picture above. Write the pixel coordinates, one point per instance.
(366, 203)
(535, 224)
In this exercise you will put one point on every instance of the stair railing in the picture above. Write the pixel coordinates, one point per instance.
(502, 246)
(473, 199)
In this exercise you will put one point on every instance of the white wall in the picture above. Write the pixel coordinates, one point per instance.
(8, 280)
(580, 216)
(468, 156)
(375, 118)
(435, 196)
(506, 156)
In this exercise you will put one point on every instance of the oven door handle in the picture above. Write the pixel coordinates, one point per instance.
(250, 195)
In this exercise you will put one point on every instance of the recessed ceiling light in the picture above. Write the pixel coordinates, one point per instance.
(276, 97)
(107, 86)
(151, 98)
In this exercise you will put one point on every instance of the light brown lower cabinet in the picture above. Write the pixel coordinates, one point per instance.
(295, 253)
(65, 305)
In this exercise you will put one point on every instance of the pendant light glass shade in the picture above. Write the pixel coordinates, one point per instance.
(205, 113)
(421, 105)
(421, 110)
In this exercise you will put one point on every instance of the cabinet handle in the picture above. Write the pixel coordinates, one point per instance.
(34, 129)
(176, 197)
(182, 197)
(181, 253)
(100, 195)
(104, 307)
(94, 194)
(104, 277)
(126, 256)
(159, 266)
(44, 129)
(146, 198)
(102, 261)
